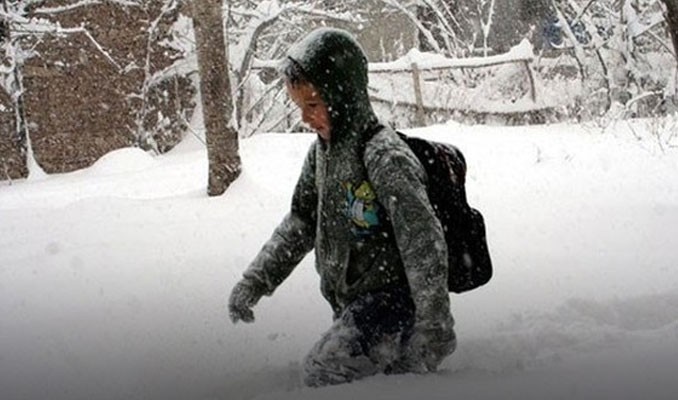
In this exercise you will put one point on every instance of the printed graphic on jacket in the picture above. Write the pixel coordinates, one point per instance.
(362, 208)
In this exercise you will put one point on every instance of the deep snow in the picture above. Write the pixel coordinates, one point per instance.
(114, 279)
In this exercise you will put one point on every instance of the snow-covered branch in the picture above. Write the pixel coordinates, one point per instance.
(58, 30)
(487, 25)
(97, 45)
(145, 138)
(264, 29)
(85, 3)
(577, 47)
(637, 27)
(23, 25)
(272, 8)
(267, 14)
(442, 20)
(258, 25)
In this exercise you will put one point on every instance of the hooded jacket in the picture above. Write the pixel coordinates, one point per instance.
(360, 200)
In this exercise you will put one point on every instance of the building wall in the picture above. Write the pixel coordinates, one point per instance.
(80, 106)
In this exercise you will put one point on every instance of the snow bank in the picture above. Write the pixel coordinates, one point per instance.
(114, 280)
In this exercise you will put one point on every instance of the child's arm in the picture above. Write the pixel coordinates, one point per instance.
(291, 241)
(399, 180)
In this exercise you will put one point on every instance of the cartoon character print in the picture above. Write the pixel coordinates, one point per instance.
(362, 208)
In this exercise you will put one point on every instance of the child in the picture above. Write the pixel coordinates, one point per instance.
(361, 203)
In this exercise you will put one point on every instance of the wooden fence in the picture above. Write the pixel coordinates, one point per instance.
(416, 64)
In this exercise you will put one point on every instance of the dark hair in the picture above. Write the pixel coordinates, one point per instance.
(292, 72)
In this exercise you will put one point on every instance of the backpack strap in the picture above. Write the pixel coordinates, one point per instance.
(372, 131)
(450, 155)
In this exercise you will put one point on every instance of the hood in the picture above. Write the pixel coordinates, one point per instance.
(335, 63)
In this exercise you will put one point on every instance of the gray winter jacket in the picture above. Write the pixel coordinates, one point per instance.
(360, 201)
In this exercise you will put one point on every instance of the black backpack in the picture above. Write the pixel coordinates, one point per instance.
(469, 260)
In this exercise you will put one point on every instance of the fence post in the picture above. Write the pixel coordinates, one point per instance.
(533, 91)
(421, 115)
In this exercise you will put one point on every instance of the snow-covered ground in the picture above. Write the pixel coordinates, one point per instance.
(114, 279)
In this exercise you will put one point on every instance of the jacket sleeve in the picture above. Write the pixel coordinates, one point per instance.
(293, 238)
(399, 180)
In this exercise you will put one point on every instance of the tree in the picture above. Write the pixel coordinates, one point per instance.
(215, 90)
(156, 75)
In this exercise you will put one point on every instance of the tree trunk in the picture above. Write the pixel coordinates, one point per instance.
(672, 19)
(215, 89)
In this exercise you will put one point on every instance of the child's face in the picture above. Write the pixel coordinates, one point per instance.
(313, 109)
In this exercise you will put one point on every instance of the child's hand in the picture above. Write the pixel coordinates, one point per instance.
(243, 297)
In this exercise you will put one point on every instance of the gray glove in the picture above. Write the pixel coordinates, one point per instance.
(429, 344)
(243, 297)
